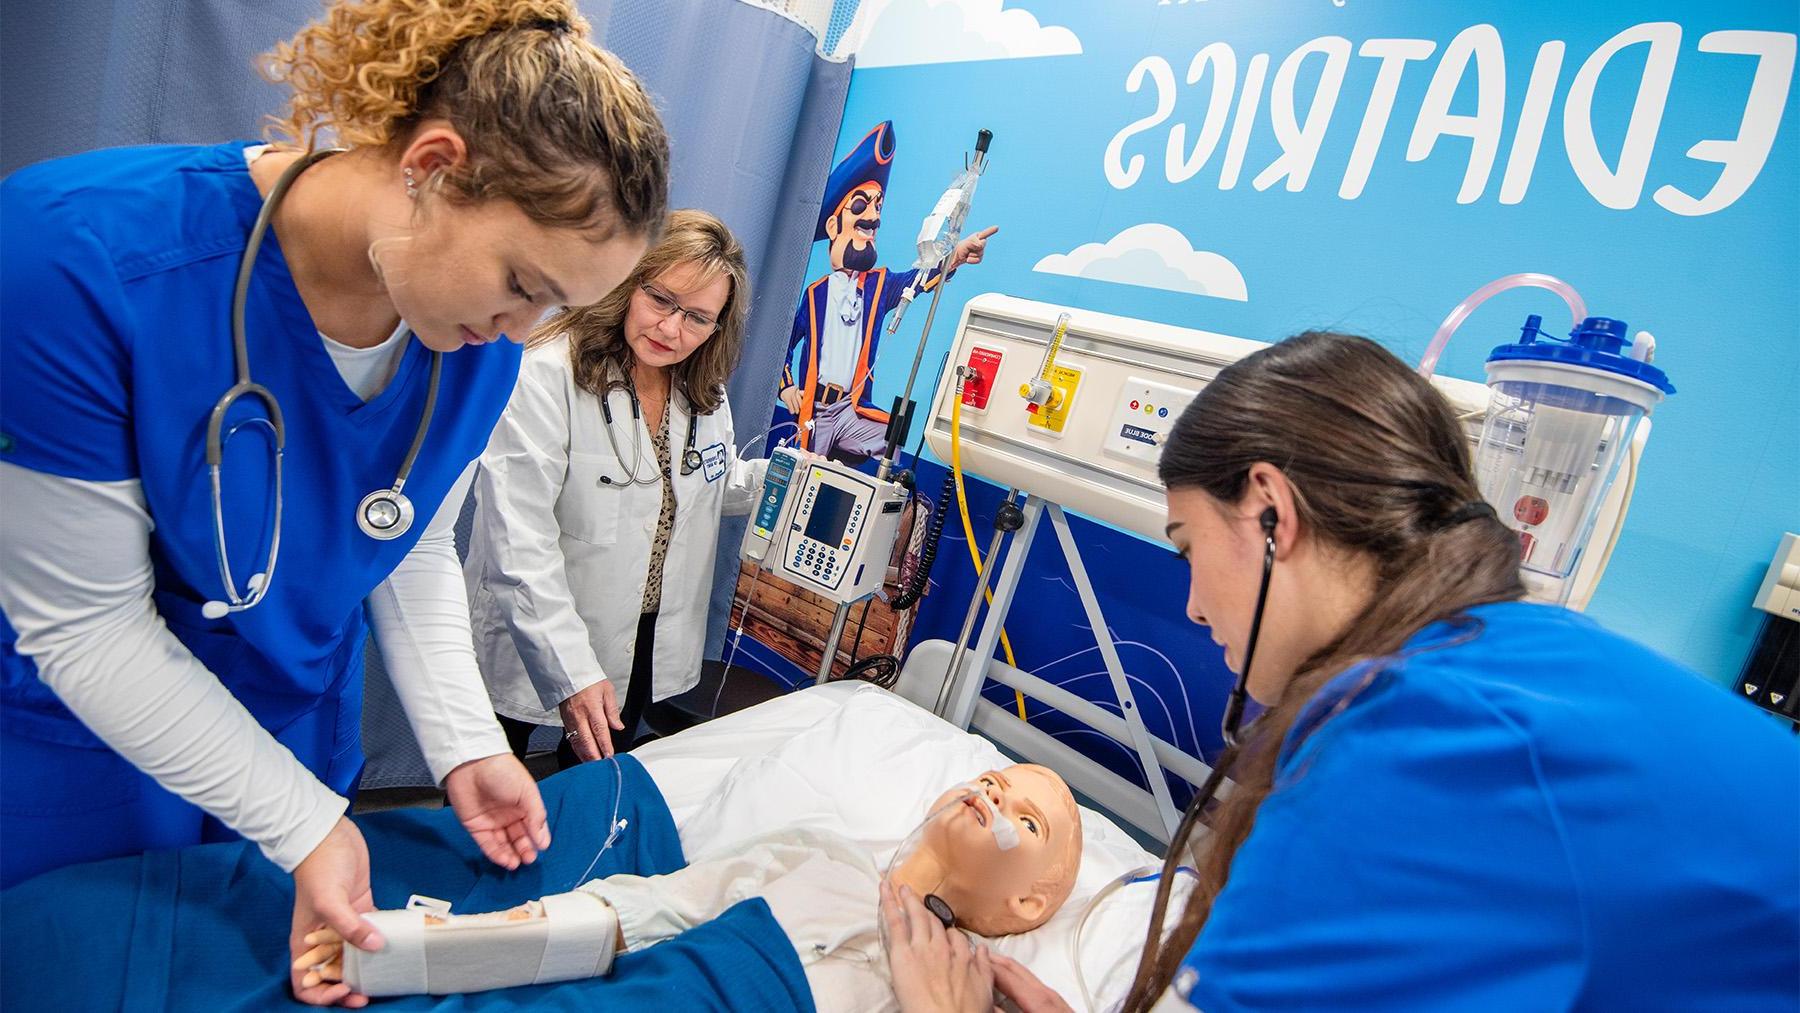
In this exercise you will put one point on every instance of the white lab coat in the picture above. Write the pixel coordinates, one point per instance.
(558, 559)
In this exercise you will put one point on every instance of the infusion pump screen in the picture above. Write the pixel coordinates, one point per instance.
(830, 514)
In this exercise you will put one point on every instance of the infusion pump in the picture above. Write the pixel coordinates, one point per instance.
(824, 525)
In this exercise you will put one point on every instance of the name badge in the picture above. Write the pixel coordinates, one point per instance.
(712, 461)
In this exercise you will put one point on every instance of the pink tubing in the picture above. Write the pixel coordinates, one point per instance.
(1577, 310)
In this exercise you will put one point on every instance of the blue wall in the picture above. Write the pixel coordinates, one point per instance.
(1721, 291)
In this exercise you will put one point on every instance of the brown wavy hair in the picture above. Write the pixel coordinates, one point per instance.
(552, 122)
(597, 346)
(1380, 467)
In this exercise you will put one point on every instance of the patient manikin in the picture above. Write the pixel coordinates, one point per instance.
(996, 856)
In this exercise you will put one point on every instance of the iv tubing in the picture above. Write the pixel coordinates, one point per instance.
(962, 506)
(1577, 310)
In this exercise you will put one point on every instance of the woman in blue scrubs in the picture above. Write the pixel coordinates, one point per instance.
(1456, 799)
(180, 656)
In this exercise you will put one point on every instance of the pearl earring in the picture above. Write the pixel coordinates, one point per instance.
(412, 185)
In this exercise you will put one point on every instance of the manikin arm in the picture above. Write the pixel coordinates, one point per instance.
(560, 938)
(820, 888)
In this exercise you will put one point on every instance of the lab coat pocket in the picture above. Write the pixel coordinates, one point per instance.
(587, 510)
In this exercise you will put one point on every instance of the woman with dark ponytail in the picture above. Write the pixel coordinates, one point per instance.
(1454, 799)
(220, 358)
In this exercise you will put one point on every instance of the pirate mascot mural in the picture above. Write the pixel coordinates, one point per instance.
(826, 394)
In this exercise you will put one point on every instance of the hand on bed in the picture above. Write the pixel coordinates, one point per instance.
(331, 890)
(934, 970)
(1016, 982)
(589, 718)
(498, 804)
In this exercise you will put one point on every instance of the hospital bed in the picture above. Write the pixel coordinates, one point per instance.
(872, 761)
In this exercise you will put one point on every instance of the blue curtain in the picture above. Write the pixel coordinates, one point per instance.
(752, 111)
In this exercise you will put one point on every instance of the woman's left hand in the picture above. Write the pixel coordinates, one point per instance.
(934, 969)
(1016, 982)
(498, 804)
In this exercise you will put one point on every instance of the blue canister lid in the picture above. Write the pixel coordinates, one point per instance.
(1599, 343)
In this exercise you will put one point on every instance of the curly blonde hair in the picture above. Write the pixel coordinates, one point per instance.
(552, 122)
(597, 347)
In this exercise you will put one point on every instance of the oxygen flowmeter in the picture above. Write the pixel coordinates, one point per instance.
(1050, 394)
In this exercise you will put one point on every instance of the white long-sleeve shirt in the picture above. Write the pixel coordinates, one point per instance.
(76, 587)
(821, 887)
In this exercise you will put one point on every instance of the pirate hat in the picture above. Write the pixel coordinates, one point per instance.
(869, 163)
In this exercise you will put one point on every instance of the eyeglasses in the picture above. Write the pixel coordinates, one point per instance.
(694, 322)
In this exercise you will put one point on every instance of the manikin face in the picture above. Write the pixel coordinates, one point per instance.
(674, 313)
(852, 230)
(465, 275)
(988, 886)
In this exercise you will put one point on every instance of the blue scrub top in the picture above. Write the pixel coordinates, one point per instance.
(1526, 813)
(119, 267)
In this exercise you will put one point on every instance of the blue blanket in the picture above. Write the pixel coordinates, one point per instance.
(205, 928)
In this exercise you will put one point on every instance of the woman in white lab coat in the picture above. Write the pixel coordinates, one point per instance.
(599, 496)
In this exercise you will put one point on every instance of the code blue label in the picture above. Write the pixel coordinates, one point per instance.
(1140, 435)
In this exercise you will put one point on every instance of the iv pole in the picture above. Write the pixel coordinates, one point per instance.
(961, 192)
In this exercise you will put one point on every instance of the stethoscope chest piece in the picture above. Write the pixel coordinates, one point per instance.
(690, 460)
(384, 514)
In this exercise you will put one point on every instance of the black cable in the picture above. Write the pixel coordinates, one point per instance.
(881, 669)
(861, 621)
(934, 533)
(1196, 807)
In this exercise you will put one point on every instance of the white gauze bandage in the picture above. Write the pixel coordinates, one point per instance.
(574, 936)
(1006, 836)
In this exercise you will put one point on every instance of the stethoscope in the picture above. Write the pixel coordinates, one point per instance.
(690, 458)
(384, 514)
(1240, 690)
(1229, 726)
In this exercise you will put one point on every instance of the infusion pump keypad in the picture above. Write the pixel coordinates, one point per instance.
(828, 522)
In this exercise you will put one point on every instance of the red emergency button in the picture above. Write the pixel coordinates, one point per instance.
(1134, 406)
(1531, 510)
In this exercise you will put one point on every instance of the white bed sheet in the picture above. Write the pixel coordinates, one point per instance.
(858, 760)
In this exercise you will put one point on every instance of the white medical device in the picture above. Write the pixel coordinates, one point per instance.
(1565, 418)
(1120, 384)
(1560, 423)
(824, 525)
(1080, 423)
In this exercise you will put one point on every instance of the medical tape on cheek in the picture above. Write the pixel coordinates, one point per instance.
(1006, 835)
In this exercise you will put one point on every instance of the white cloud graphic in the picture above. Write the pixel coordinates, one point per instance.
(902, 33)
(1153, 256)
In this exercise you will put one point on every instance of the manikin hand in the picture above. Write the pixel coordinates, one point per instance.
(331, 889)
(322, 965)
(972, 249)
(498, 804)
(790, 396)
(1016, 982)
(934, 969)
(589, 718)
